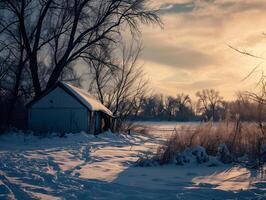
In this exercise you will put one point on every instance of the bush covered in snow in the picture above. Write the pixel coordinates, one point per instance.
(223, 154)
(196, 154)
(263, 153)
(146, 162)
(223, 141)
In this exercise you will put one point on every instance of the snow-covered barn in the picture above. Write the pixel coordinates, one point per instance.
(65, 108)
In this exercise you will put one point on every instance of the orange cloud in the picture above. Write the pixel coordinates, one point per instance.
(191, 52)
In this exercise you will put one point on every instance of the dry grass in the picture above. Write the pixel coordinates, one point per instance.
(240, 138)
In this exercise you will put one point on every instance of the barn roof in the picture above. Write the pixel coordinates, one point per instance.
(81, 95)
(89, 101)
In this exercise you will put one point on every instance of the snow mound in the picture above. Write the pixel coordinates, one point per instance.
(224, 154)
(263, 153)
(146, 162)
(196, 154)
(29, 140)
(82, 166)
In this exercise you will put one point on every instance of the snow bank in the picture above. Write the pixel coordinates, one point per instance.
(16, 140)
(224, 154)
(192, 155)
(81, 166)
(20, 140)
(263, 153)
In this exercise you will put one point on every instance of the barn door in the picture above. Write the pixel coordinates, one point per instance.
(97, 122)
(79, 120)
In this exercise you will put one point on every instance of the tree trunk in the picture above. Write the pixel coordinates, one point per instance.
(35, 76)
(14, 95)
(55, 74)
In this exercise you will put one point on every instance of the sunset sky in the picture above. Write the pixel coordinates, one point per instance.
(191, 51)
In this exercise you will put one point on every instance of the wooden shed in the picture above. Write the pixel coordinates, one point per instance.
(65, 108)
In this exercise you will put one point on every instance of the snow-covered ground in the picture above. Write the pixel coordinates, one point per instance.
(165, 128)
(82, 166)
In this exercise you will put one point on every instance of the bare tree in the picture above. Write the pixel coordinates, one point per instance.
(260, 99)
(184, 101)
(208, 102)
(178, 107)
(12, 69)
(171, 107)
(243, 106)
(121, 86)
(69, 29)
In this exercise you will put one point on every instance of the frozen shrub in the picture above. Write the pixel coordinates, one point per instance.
(213, 161)
(179, 159)
(238, 139)
(223, 154)
(196, 154)
(263, 153)
(200, 154)
(167, 153)
(184, 157)
(146, 162)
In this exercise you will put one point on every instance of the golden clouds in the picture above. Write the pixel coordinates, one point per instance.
(192, 50)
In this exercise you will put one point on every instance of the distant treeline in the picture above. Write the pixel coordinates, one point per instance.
(208, 105)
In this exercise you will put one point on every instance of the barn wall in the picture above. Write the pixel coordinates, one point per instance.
(57, 98)
(58, 111)
(58, 119)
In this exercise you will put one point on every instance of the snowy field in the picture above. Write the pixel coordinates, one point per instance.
(82, 166)
(166, 128)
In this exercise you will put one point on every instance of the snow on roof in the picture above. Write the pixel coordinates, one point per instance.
(89, 101)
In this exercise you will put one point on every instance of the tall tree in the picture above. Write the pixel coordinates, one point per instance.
(70, 29)
(171, 107)
(209, 101)
(120, 86)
